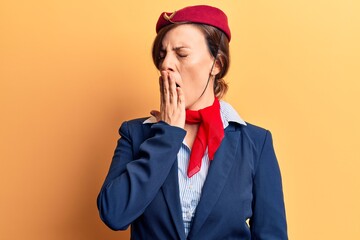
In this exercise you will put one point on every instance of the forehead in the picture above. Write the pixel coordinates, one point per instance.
(186, 35)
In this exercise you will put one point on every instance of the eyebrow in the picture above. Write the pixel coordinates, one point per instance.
(178, 48)
(174, 48)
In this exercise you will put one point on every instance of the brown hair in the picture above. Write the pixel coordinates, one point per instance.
(218, 45)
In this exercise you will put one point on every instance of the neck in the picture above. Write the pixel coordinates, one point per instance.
(203, 102)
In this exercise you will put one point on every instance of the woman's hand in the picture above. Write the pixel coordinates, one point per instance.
(172, 101)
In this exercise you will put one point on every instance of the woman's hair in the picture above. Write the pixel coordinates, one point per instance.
(218, 45)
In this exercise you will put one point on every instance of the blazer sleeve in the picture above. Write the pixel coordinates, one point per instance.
(131, 184)
(269, 220)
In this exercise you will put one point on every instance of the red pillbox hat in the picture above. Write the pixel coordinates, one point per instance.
(196, 14)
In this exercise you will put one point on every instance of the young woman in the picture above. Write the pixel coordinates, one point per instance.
(195, 169)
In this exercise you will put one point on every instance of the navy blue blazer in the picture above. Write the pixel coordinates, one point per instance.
(242, 196)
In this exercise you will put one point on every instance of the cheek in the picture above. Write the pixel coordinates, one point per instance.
(192, 89)
(194, 76)
(192, 82)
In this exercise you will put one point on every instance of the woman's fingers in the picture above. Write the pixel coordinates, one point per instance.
(161, 85)
(165, 82)
(172, 92)
(181, 98)
(172, 105)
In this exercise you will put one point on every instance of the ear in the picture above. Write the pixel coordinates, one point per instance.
(217, 66)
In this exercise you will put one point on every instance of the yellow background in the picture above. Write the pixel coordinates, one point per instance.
(72, 71)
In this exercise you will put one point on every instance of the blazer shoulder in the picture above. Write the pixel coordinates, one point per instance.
(255, 134)
(136, 121)
(133, 126)
(255, 130)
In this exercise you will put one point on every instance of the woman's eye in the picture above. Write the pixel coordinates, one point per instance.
(182, 55)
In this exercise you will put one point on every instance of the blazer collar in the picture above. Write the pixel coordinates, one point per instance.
(170, 189)
(215, 181)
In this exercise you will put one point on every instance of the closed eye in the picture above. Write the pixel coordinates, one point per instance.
(181, 52)
(182, 55)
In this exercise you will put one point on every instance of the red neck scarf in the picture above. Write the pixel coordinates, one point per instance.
(210, 134)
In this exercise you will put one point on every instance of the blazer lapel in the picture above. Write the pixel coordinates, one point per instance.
(170, 190)
(217, 176)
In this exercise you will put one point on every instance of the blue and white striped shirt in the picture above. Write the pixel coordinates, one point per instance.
(190, 188)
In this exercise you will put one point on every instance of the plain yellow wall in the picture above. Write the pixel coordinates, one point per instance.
(72, 71)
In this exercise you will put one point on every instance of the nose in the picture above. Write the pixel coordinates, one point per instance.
(167, 63)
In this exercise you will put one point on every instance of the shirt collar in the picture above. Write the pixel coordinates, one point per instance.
(227, 113)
